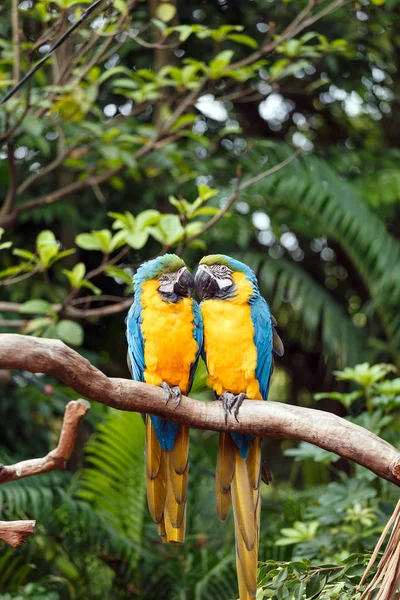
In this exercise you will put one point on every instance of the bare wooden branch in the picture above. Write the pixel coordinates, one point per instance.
(264, 419)
(14, 533)
(57, 458)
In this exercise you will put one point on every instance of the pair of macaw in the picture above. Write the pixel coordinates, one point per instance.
(235, 332)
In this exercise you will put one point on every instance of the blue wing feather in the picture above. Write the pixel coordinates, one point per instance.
(261, 317)
(135, 341)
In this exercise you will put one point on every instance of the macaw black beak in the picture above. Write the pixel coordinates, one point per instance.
(205, 282)
(184, 285)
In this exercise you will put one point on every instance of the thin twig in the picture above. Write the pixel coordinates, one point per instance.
(15, 39)
(12, 186)
(296, 26)
(237, 190)
(45, 170)
(59, 42)
(186, 102)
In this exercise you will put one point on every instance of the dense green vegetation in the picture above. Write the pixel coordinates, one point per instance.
(134, 139)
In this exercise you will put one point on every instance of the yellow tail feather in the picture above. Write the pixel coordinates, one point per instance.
(225, 470)
(243, 477)
(166, 483)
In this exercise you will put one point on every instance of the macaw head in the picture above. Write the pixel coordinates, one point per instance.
(175, 281)
(215, 277)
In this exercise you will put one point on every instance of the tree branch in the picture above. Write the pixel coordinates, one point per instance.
(14, 533)
(57, 458)
(263, 419)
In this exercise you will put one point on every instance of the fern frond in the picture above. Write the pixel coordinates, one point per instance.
(310, 187)
(114, 483)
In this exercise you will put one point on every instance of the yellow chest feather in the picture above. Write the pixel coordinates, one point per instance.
(229, 342)
(169, 345)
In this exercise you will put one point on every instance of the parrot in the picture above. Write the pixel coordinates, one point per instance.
(239, 340)
(165, 336)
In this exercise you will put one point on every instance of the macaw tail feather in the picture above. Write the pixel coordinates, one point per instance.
(166, 483)
(238, 481)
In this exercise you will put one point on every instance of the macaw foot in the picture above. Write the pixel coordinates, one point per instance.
(231, 403)
(173, 392)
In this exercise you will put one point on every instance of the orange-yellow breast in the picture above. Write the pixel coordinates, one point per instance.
(169, 345)
(229, 342)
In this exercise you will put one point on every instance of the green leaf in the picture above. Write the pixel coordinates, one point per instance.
(147, 218)
(47, 247)
(137, 240)
(120, 275)
(5, 245)
(219, 62)
(88, 241)
(88, 284)
(23, 253)
(35, 325)
(246, 40)
(315, 585)
(193, 228)
(61, 255)
(117, 241)
(70, 332)
(33, 126)
(15, 269)
(121, 6)
(166, 12)
(96, 240)
(79, 271)
(200, 244)
(172, 228)
(183, 121)
(205, 210)
(205, 192)
(39, 307)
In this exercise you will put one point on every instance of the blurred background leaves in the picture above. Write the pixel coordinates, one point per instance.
(126, 144)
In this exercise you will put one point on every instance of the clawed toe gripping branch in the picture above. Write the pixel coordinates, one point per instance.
(262, 419)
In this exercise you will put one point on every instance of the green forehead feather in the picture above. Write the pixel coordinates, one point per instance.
(214, 259)
(152, 269)
(171, 263)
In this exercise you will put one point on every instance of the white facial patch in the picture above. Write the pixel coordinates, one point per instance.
(167, 283)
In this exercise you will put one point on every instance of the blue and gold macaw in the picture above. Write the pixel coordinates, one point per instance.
(165, 336)
(239, 339)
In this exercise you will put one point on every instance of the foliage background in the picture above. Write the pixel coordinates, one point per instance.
(141, 114)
